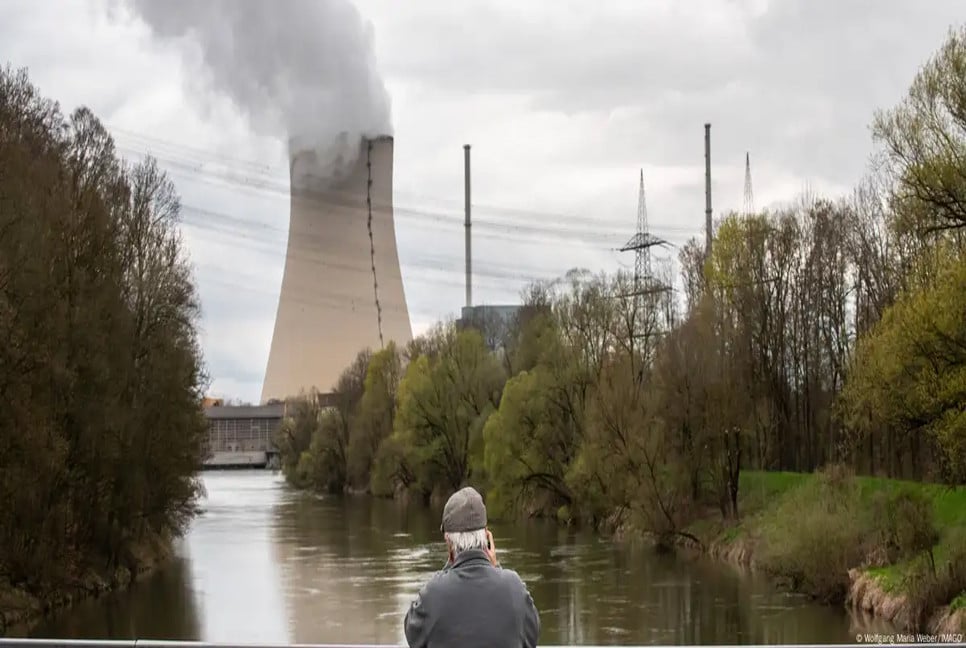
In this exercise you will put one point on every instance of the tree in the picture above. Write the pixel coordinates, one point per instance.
(100, 374)
(443, 404)
(531, 441)
(377, 413)
(925, 140)
(909, 374)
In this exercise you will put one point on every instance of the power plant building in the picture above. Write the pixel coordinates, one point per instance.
(342, 288)
(242, 435)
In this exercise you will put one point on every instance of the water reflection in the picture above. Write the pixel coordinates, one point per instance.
(133, 614)
(351, 566)
(232, 553)
(268, 564)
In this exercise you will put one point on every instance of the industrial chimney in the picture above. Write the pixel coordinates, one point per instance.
(467, 224)
(707, 190)
(342, 289)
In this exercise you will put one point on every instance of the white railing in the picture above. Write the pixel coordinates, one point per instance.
(894, 641)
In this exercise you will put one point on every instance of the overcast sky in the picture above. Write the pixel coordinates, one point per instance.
(563, 102)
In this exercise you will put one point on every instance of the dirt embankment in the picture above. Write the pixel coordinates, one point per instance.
(19, 609)
(867, 595)
(739, 551)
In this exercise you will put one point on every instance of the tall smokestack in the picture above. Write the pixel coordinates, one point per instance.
(707, 188)
(467, 225)
(342, 288)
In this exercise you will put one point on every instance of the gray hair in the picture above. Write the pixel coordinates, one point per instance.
(461, 541)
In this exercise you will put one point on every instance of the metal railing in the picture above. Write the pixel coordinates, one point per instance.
(894, 641)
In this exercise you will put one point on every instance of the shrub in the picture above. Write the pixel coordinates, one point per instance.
(904, 526)
(929, 587)
(816, 534)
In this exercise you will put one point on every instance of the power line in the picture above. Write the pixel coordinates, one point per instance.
(195, 160)
(304, 247)
(583, 237)
(195, 164)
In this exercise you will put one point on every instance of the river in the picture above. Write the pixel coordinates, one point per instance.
(265, 563)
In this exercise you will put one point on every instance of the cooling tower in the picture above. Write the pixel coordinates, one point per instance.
(342, 290)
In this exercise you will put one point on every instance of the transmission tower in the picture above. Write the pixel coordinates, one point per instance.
(641, 243)
(749, 195)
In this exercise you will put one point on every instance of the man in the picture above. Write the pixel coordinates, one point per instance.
(472, 601)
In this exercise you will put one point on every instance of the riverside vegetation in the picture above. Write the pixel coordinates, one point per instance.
(817, 342)
(101, 428)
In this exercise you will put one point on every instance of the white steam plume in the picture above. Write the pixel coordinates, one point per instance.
(301, 69)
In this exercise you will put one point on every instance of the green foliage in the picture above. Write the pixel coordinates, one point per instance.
(925, 140)
(816, 534)
(910, 372)
(904, 525)
(392, 473)
(101, 429)
(376, 414)
(909, 536)
(929, 586)
(529, 444)
(443, 401)
(297, 431)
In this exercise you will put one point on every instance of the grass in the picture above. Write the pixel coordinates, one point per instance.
(757, 491)
(949, 513)
(889, 578)
(769, 500)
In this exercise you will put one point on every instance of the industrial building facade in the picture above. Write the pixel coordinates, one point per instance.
(242, 435)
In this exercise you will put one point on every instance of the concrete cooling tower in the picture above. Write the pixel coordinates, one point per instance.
(342, 289)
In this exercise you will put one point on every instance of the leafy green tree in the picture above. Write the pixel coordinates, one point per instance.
(925, 140)
(530, 443)
(443, 403)
(909, 373)
(377, 413)
(298, 428)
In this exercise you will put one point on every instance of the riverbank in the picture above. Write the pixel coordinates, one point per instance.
(21, 609)
(855, 541)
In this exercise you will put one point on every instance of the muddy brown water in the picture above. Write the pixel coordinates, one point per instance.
(265, 563)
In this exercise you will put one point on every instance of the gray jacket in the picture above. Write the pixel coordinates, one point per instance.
(471, 603)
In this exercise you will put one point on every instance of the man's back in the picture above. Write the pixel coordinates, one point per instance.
(472, 603)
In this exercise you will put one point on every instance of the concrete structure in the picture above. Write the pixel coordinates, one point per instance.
(242, 435)
(342, 289)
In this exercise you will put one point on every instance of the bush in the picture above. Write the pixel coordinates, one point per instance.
(816, 534)
(904, 526)
(929, 587)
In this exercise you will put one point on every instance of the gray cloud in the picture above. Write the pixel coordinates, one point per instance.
(562, 100)
(787, 79)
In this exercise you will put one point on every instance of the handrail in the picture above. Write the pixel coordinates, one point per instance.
(892, 640)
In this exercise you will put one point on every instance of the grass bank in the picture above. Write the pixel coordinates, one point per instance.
(21, 608)
(897, 549)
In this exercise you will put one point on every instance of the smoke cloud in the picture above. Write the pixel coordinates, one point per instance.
(300, 69)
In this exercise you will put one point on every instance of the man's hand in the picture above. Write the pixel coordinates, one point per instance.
(491, 549)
